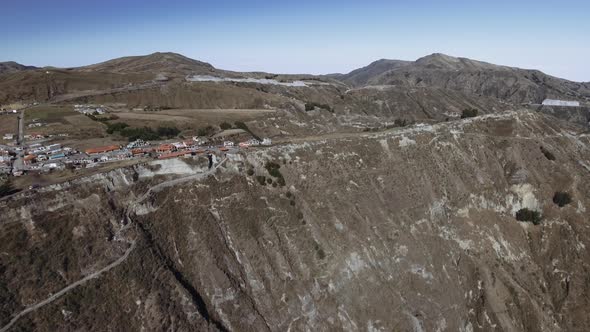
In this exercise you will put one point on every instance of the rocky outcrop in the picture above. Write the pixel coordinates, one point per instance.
(408, 229)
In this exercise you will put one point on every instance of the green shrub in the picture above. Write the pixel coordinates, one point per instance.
(400, 122)
(207, 131)
(318, 249)
(92, 117)
(116, 127)
(243, 126)
(529, 216)
(547, 154)
(225, 126)
(168, 131)
(562, 198)
(7, 188)
(469, 113)
(145, 133)
(261, 179)
(273, 170)
(310, 106)
(250, 172)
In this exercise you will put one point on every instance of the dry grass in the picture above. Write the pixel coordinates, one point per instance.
(187, 119)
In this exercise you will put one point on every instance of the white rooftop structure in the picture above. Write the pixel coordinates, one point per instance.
(566, 103)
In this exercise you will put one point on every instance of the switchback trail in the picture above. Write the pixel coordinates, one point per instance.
(69, 288)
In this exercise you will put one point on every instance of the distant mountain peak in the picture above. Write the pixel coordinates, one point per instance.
(157, 62)
(10, 67)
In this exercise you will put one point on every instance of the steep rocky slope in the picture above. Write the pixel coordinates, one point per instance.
(409, 229)
(362, 76)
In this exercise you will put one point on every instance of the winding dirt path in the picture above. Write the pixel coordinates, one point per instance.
(157, 188)
(69, 288)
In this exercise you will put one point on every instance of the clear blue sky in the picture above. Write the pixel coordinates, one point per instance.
(301, 36)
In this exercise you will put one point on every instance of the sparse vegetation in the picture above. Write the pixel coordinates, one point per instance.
(7, 188)
(144, 133)
(310, 106)
(273, 170)
(168, 132)
(116, 127)
(151, 108)
(319, 251)
(250, 172)
(469, 113)
(529, 216)
(95, 117)
(206, 131)
(261, 179)
(562, 198)
(547, 154)
(243, 126)
(225, 126)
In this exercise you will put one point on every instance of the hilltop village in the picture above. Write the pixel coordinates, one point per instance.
(24, 154)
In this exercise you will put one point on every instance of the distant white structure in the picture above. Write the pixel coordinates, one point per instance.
(209, 78)
(136, 144)
(566, 103)
(266, 141)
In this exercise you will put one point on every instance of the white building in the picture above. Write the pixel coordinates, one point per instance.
(253, 142)
(266, 141)
(565, 103)
(136, 144)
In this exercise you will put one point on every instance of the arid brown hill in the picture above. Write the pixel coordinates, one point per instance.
(510, 84)
(13, 67)
(412, 229)
(170, 63)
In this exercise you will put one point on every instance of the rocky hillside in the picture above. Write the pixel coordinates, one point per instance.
(362, 76)
(478, 78)
(408, 229)
(11, 67)
(169, 63)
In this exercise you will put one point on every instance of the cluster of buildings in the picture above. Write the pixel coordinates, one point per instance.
(45, 157)
(39, 157)
(90, 109)
(255, 142)
(5, 160)
(32, 136)
(36, 124)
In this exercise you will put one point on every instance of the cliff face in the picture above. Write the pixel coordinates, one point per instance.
(408, 229)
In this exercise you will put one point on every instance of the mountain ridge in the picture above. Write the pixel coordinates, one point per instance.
(10, 67)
